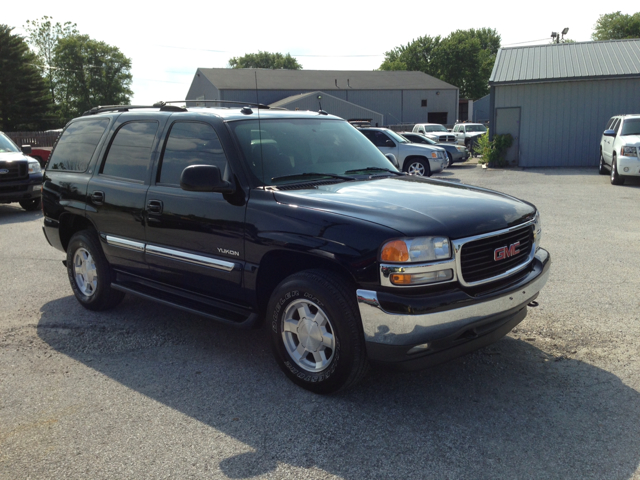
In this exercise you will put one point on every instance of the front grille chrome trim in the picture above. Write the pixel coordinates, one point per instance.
(458, 244)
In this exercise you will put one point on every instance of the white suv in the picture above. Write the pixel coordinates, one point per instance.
(620, 148)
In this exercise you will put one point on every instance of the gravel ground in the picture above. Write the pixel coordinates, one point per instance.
(144, 391)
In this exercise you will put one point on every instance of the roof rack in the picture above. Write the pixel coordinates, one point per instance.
(125, 108)
(165, 107)
(253, 104)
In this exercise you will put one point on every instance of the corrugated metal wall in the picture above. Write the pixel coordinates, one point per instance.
(202, 87)
(481, 110)
(397, 106)
(561, 123)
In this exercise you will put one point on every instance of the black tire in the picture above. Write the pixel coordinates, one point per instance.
(417, 166)
(602, 169)
(469, 144)
(31, 204)
(616, 179)
(90, 273)
(450, 160)
(321, 349)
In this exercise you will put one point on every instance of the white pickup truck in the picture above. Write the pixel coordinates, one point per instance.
(467, 133)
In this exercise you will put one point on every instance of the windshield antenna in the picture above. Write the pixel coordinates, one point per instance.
(259, 128)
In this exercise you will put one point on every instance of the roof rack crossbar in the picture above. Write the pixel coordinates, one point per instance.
(237, 102)
(164, 105)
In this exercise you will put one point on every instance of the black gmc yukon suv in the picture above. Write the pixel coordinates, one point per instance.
(20, 175)
(294, 218)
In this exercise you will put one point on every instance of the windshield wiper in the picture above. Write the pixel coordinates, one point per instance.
(311, 174)
(374, 169)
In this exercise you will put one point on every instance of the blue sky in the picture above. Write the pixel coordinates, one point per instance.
(168, 42)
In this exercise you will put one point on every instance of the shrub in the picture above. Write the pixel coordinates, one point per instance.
(493, 151)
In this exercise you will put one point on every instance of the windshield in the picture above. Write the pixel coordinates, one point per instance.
(6, 145)
(281, 151)
(434, 128)
(476, 128)
(631, 127)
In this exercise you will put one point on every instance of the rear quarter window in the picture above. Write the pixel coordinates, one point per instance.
(130, 151)
(77, 145)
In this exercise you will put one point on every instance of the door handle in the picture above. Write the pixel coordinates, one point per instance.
(97, 197)
(154, 206)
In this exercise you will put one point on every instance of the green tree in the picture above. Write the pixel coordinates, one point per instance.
(265, 60)
(43, 37)
(616, 26)
(89, 73)
(465, 59)
(25, 103)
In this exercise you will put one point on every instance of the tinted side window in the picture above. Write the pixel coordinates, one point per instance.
(616, 125)
(77, 144)
(190, 143)
(130, 151)
(608, 126)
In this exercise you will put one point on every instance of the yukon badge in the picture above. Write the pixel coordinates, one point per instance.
(226, 251)
(506, 252)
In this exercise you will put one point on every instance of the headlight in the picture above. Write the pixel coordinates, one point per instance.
(460, 148)
(34, 167)
(629, 151)
(537, 230)
(421, 249)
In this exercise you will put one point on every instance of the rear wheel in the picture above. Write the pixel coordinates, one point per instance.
(31, 204)
(616, 179)
(316, 331)
(418, 167)
(90, 273)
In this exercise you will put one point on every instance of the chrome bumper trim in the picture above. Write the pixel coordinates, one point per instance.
(388, 328)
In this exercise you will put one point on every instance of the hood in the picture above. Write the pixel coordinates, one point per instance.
(475, 134)
(13, 157)
(415, 206)
(630, 139)
(419, 148)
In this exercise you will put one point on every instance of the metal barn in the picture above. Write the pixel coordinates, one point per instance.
(556, 99)
(400, 97)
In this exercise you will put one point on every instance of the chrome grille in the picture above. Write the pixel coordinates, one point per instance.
(447, 138)
(14, 171)
(477, 257)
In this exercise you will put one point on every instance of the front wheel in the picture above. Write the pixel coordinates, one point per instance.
(316, 332)
(418, 167)
(31, 204)
(90, 273)
(616, 178)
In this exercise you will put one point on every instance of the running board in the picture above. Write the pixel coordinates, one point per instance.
(233, 315)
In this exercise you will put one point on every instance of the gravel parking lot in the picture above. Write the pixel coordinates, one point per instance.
(148, 392)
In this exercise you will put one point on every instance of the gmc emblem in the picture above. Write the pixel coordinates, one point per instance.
(506, 252)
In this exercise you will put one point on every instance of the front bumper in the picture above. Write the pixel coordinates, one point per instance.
(449, 328)
(23, 189)
(628, 166)
(437, 164)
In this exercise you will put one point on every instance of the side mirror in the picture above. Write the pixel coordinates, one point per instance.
(609, 133)
(392, 158)
(204, 178)
(26, 149)
(389, 143)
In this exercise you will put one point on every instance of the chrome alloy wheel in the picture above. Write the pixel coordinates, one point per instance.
(84, 272)
(416, 168)
(308, 335)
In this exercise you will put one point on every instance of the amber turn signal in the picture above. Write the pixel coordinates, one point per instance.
(395, 251)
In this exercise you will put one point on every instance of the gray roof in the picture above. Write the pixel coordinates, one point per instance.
(325, 80)
(567, 61)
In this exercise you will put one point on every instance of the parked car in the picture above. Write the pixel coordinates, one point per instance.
(20, 175)
(620, 148)
(455, 153)
(315, 233)
(467, 134)
(435, 131)
(415, 159)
